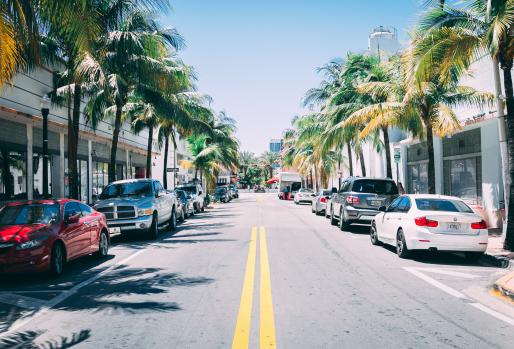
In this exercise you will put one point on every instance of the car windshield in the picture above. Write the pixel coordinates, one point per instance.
(189, 189)
(135, 189)
(445, 205)
(375, 187)
(295, 186)
(303, 190)
(181, 194)
(29, 214)
(220, 190)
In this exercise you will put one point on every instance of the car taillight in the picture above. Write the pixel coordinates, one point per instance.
(424, 222)
(479, 225)
(352, 200)
(323, 199)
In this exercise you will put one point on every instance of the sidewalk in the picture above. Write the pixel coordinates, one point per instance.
(495, 253)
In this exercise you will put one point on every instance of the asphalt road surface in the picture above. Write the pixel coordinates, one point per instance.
(259, 273)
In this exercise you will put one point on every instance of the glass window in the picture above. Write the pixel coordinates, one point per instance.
(463, 178)
(442, 205)
(86, 210)
(375, 186)
(13, 175)
(71, 209)
(136, 189)
(404, 204)
(418, 178)
(392, 207)
(29, 214)
(158, 187)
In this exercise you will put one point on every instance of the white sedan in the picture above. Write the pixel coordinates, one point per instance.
(430, 222)
(303, 195)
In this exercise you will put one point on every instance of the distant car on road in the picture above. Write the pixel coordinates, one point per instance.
(359, 199)
(430, 222)
(259, 189)
(319, 202)
(43, 235)
(197, 194)
(303, 195)
(138, 205)
(222, 194)
(233, 191)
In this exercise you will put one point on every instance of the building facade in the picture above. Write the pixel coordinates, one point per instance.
(179, 169)
(21, 140)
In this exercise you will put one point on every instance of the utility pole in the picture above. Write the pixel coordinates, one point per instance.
(45, 110)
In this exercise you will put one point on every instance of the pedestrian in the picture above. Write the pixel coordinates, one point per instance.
(401, 190)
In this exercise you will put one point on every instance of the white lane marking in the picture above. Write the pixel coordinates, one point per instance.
(63, 296)
(435, 283)
(450, 272)
(494, 313)
(21, 301)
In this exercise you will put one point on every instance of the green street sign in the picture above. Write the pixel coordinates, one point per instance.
(397, 155)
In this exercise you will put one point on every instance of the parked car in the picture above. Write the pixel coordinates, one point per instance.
(233, 191)
(430, 222)
(44, 235)
(196, 193)
(359, 199)
(138, 205)
(303, 195)
(259, 189)
(222, 194)
(319, 202)
(185, 204)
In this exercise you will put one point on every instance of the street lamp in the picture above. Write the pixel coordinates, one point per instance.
(45, 109)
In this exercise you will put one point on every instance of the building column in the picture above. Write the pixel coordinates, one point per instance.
(127, 164)
(30, 164)
(89, 171)
(62, 170)
(438, 165)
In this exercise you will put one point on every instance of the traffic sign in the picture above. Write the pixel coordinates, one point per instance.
(172, 169)
(397, 155)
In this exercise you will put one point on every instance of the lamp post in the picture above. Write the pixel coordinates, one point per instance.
(45, 109)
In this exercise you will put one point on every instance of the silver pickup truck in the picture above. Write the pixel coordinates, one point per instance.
(138, 205)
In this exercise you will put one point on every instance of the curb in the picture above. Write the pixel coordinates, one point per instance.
(502, 285)
(498, 261)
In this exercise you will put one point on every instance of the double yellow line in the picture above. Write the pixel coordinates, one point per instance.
(266, 318)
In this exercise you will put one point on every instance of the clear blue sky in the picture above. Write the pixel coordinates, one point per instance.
(257, 58)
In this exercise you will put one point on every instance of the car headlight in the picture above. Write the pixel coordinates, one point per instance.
(144, 211)
(31, 243)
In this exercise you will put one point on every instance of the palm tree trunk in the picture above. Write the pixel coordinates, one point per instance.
(165, 169)
(389, 170)
(73, 139)
(350, 159)
(149, 152)
(363, 164)
(196, 173)
(506, 65)
(431, 161)
(340, 174)
(316, 178)
(114, 144)
(312, 181)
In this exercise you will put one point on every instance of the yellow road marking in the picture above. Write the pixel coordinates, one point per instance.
(242, 331)
(267, 322)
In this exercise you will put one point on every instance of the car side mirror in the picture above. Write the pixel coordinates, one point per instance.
(334, 190)
(382, 209)
(72, 219)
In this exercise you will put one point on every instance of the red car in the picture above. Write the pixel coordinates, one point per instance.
(43, 235)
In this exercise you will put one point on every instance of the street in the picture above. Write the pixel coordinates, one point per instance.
(260, 272)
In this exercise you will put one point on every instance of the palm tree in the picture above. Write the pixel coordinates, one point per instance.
(126, 56)
(267, 161)
(460, 36)
(246, 159)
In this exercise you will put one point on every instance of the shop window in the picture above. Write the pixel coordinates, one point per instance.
(463, 178)
(100, 177)
(120, 172)
(417, 178)
(13, 175)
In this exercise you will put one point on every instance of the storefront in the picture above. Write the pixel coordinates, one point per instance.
(417, 168)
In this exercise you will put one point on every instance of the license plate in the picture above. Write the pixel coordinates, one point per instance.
(453, 226)
(115, 230)
(375, 202)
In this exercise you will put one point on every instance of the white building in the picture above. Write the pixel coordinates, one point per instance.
(383, 42)
(179, 166)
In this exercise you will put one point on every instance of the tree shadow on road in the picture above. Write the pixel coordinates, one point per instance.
(27, 340)
(112, 293)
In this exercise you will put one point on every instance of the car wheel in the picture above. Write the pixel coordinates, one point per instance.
(333, 220)
(312, 209)
(153, 232)
(374, 236)
(473, 256)
(57, 259)
(103, 245)
(173, 220)
(343, 223)
(401, 247)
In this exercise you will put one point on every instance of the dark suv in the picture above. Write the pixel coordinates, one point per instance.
(359, 199)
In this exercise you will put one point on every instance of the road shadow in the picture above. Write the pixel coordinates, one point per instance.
(27, 340)
(111, 293)
(358, 229)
